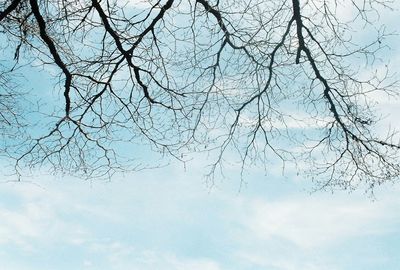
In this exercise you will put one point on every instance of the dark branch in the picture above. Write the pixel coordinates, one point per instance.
(57, 59)
(9, 9)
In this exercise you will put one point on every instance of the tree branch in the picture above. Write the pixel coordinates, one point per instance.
(57, 59)
(9, 9)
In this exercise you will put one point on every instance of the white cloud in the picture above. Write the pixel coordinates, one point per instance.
(149, 221)
(318, 221)
(149, 259)
(285, 262)
(310, 232)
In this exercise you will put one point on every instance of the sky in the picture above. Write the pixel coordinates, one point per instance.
(171, 218)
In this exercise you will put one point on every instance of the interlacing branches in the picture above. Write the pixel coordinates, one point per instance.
(11, 113)
(249, 79)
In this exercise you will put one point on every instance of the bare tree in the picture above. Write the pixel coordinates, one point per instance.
(242, 77)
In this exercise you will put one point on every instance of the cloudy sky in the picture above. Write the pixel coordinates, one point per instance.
(172, 219)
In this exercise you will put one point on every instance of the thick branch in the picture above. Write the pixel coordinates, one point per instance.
(9, 9)
(303, 47)
(327, 88)
(110, 30)
(128, 53)
(299, 26)
(160, 15)
(57, 59)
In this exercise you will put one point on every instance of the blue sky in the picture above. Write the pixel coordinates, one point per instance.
(172, 219)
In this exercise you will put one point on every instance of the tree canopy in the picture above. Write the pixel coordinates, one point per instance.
(250, 80)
